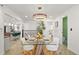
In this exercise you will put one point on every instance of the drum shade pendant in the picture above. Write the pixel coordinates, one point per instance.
(39, 16)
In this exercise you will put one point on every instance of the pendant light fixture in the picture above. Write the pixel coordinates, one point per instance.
(39, 15)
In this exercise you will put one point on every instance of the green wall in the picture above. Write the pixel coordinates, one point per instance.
(65, 29)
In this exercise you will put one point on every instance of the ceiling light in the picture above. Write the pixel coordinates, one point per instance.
(9, 24)
(39, 16)
(26, 16)
(12, 24)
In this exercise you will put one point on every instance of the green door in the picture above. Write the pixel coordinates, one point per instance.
(65, 29)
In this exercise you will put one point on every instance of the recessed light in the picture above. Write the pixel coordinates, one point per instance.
(26, 16)
(12, 24)
(9, 24)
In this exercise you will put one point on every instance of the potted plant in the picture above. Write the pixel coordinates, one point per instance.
(41, 27)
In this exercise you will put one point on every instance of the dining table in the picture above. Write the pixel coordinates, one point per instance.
(38, 43)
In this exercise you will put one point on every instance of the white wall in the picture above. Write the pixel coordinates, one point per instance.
(58, 31)
(1, 34)
(30, 25)
(48, 24)
(73, 22)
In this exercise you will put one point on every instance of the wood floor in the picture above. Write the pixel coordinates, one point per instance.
(16, 49)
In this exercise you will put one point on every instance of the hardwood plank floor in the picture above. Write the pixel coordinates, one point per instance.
(16, 49)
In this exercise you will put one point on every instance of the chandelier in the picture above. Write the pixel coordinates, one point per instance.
(39, 16)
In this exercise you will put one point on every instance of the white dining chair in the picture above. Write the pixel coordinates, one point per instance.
(28, 49)
(52, 47)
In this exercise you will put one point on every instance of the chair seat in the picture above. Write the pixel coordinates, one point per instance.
(28, 47)
(53, 46)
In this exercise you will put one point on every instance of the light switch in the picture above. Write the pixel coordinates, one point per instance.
(70, 29)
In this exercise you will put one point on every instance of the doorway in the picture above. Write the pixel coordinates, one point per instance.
(65, 30)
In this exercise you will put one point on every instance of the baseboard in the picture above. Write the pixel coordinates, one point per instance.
(72, 51)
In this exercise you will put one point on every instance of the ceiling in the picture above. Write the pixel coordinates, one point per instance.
(53, 10)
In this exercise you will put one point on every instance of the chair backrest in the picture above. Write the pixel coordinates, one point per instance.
(30, 32)
(23, 40)
(55, 41)
(26, 46)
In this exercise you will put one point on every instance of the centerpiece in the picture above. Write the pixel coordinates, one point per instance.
(40, 30)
